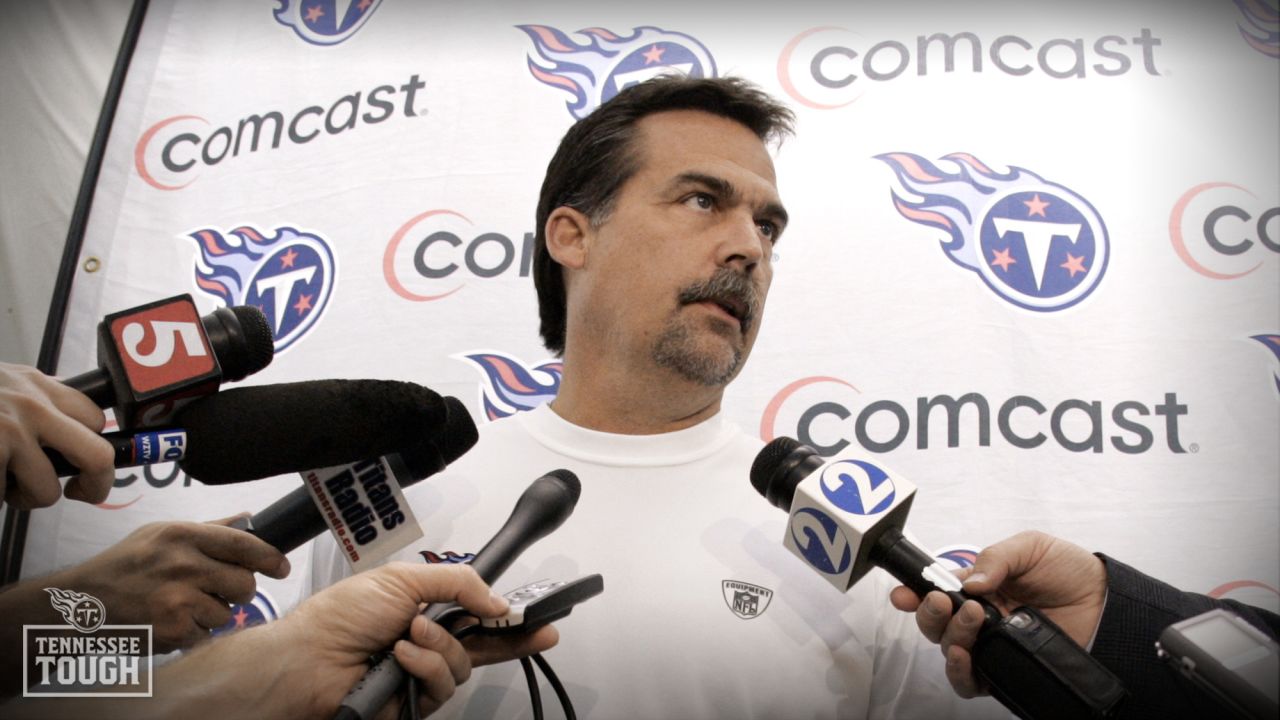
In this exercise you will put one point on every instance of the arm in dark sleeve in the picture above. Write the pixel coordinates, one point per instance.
(1138, 608)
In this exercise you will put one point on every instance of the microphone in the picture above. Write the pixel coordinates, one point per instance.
(271, 430)
(847, 516)
(542, 508)
(154, 358)
(294, 519)
(250, 433)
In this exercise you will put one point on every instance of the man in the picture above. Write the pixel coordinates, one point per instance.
(302, 665)
(1102, 604)
(655, 229)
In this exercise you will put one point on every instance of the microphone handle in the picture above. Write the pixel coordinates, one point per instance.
(95, 383)
(379, 683)
(294, 519)
(130, 449)
(286, 523)
(1029, 664)
(919, 571)
(384, 678)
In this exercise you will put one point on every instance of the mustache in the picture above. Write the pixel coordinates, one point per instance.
(727, 287)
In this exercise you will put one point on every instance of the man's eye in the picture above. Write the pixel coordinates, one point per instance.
(702, 201)
(768, 229)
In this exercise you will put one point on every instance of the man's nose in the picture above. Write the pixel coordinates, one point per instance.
(741, 244)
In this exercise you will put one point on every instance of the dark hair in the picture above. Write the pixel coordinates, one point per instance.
(596, 158)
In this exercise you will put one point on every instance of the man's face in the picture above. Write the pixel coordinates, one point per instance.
(678, 271)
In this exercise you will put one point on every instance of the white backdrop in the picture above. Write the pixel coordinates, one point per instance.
(1119, 372)
(55, 60)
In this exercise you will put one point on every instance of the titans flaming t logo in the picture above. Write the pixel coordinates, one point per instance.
(598, 70)
(449, 557)
(289, 277)
(1271, 341)
(1036, 244)
(325, 22)
(509, 386)
(82, 611)
(1260, 26)
(956, 557)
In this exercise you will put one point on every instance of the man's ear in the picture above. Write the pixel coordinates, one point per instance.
(568, 237)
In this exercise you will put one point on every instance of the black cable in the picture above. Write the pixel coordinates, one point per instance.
(411, 711)
(565, 703)
(464, 632)
(535, 695)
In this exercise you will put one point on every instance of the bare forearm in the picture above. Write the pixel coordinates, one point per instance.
(24, 603)
(235, 676)
(248, 673)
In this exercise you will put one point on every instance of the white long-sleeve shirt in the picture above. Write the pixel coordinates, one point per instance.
(682, 540)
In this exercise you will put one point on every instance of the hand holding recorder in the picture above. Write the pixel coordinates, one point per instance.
(301, 665)
(1064, 581)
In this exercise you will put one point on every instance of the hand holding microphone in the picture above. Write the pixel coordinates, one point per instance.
(846, 516)
(152, 360)
(1064, 581)
(37, 411)
(316, 651)
(543, 507)
(233, 436)
(176, 577)
(370, 611)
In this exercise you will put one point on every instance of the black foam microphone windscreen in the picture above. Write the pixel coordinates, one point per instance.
(294, 519)
(255, 432)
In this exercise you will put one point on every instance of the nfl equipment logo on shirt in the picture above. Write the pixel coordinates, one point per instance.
(744, 599)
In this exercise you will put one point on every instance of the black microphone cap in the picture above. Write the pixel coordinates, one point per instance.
(774, 471)
(241, 340)
(256, 432)
(258, 338)
(570, 482)
(768, 460)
